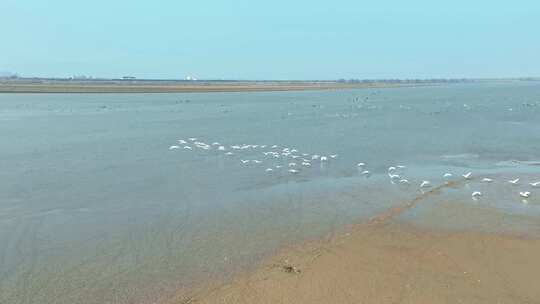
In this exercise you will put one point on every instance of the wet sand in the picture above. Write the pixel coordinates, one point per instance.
(394, 263)
(388, 260)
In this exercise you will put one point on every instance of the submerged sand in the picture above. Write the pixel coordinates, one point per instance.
(394, 263)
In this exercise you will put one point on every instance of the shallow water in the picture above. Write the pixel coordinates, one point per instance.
(95, 208)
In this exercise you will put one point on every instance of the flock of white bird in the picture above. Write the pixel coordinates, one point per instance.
(291, 158)
(397, 178)
(477, 194)
(294, 161)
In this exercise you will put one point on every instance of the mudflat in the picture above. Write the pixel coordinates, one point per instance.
(172, 87)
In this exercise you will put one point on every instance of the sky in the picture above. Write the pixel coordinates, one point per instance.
(271, 39)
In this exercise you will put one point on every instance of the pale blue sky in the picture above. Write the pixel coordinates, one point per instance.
(271, 39)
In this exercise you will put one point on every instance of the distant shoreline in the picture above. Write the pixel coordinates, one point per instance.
(175, 87)
(44, 85)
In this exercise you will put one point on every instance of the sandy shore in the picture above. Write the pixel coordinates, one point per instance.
(175, 87)
(394, 263)
(386, 260)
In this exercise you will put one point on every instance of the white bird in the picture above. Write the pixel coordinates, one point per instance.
(229, 153)
(295, 156)
(188, 148)
(333, 156)
(256, 161)
(476, 194)
(174, 147)
(263, 146)
(315, 156)
(193, 138)
(448, 175)
(425, 184)
(244, 161)
(181, 141)
(274, 146)
(221, 148)
(401, 166)
(514, 182)
(269, 170)
(306, 164)
(293, 171)
(487, 180)
(360, 164)
(536, 184)
(278, 166)
(215, 144)
(467, 175)
(525, 194)
(403, 181)
(324, 158)
(294, 151)
(392, 176)
(365, 172)
(390, 169)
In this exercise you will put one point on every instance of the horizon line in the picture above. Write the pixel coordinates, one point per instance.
(341, 79)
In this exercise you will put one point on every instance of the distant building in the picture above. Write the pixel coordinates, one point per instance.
(128, 78)
(81, 77)
(191, 78)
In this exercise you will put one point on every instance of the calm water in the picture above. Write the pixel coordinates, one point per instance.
(95, 207)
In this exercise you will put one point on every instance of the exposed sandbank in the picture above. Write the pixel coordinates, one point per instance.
(394, 263)
(389, 261)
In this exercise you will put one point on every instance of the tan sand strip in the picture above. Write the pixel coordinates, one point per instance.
(384, 261)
